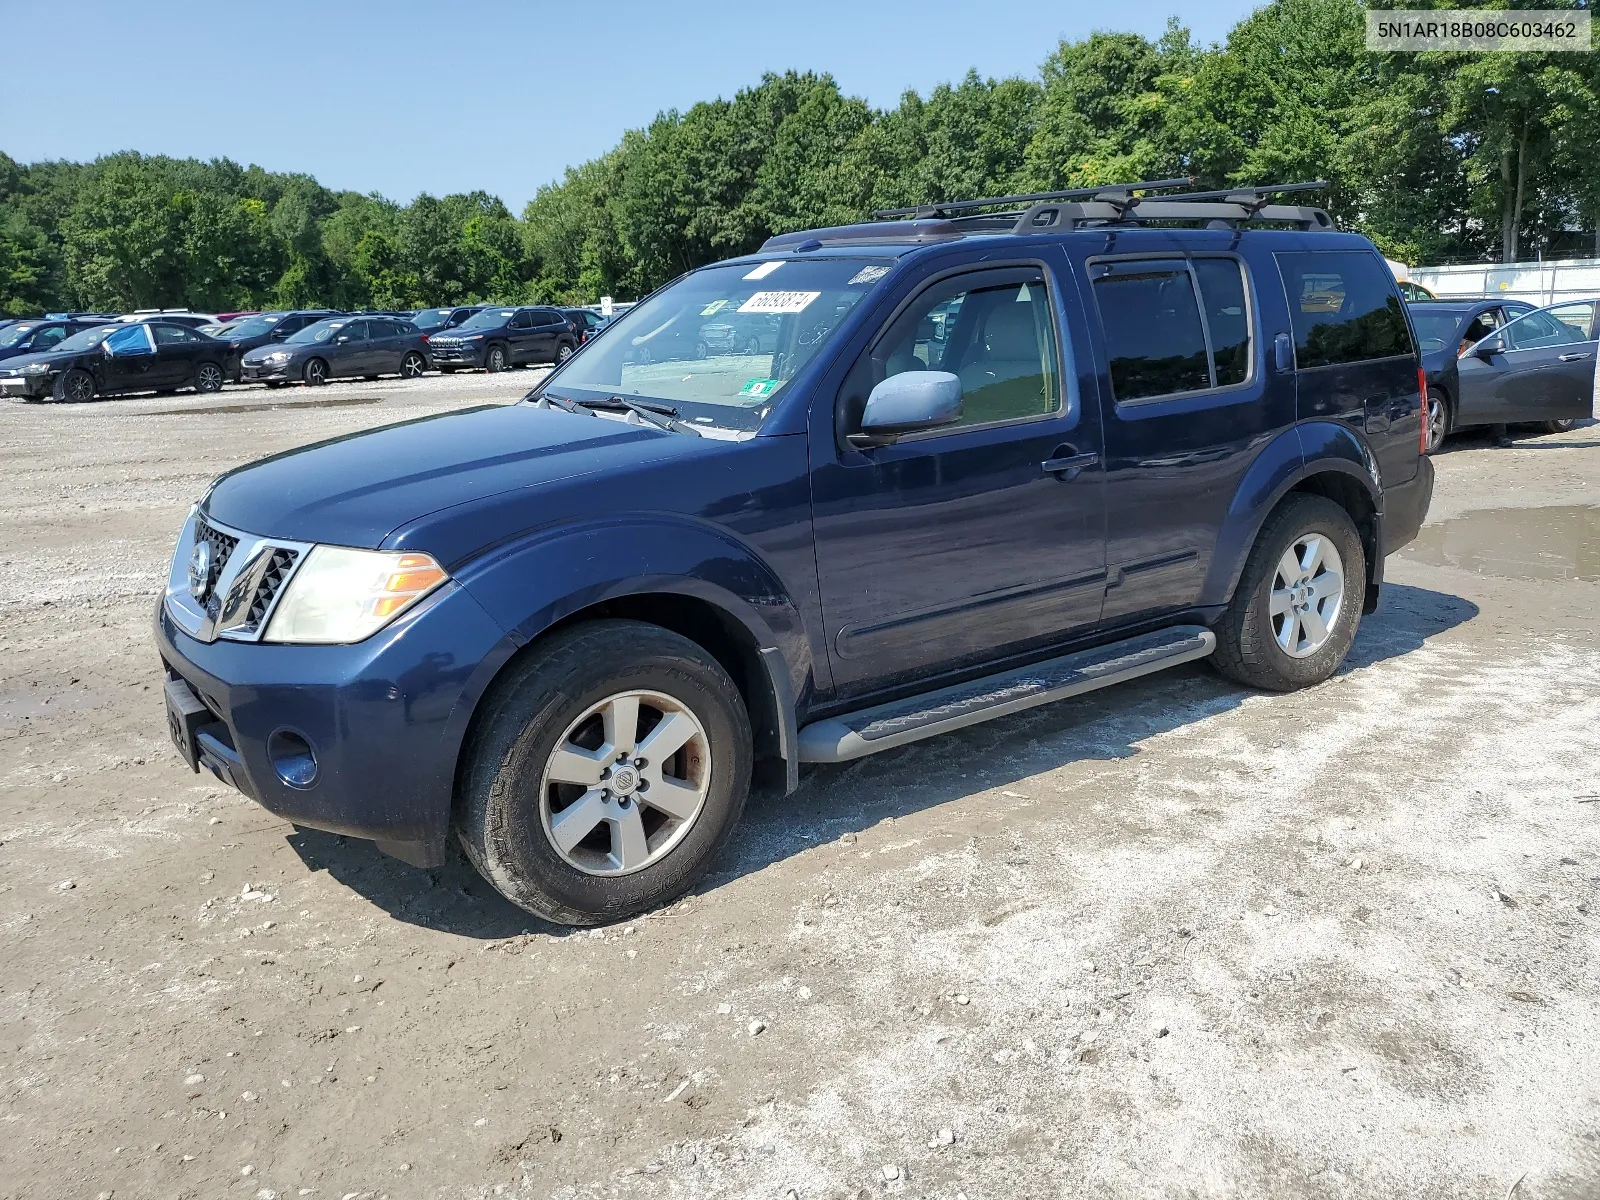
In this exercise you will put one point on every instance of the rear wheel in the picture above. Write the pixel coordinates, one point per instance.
(208, 378)
(412, 365)
(74, 386)
(563, 352)
(494, 360)
(1566, 426)
(315, 373)
(1295, 611)
(605, 773)
(276, 383)
(1438, 421)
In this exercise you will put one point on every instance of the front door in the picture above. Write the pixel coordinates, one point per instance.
(352, 352)
(523, 336)
(1544, 369)
(130, 360)
(971, 541)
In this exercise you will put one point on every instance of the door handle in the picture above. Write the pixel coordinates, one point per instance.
(1283, 353)
(1574, 357)
(1067, 467)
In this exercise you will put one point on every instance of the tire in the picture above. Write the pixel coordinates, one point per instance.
(1280, 652)
(208, 378)
(495, 360)
(276, 383)
(701, 350)
(315, 373)
(753, 346)
(1566, 426)
(1438, 420)
(412, 365)
(447, 370)
(563, 352)
(74, 386)
(506, 808)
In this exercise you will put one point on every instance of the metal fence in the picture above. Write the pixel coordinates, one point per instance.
(1536, 282)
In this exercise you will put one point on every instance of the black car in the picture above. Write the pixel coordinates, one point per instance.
(251, 333)
(37, 336)
(1445, 328)
(1538, 369)
(338, 347)
(741, 333)
(586, 321)
(437, 320)
(501, 337)
(112, 360)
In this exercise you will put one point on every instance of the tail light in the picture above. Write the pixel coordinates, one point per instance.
(1422, 386)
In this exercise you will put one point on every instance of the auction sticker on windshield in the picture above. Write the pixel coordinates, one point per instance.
(757, 388)
(778, 302)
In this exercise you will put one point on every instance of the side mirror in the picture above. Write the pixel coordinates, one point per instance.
(909, 402)
(341, 339)
(277, 335)
(1490, 346)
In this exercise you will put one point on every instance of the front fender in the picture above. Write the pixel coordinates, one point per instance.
(1295, 455)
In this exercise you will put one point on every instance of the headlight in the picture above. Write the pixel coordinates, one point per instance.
(276, 356)
(343, 595)
(33, 369)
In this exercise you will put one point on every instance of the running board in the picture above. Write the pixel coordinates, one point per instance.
(840, 739)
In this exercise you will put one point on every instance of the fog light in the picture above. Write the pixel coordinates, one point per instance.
(292, 758)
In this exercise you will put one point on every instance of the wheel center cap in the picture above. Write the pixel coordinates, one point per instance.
(624, 780)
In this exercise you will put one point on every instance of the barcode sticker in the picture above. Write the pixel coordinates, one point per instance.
(778, 302)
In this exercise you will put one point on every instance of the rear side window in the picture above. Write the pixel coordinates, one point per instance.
(1173, 325)
(1343, 307)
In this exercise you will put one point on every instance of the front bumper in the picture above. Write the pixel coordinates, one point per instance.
(1405, 507)
(384, 720)
(456, 356)
(26, 385)
(261, 372)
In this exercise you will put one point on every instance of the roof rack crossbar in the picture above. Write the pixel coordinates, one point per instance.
(945, 207)
(1224, 210)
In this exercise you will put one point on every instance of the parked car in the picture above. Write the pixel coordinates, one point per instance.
(175, 316)
(34, 337)
(585, 322)
(269, 328)
(1446, 328)
(438, 320)
(338, 347)
(1415, 291)
(117, 358)
(1538, 369)
(499, 338)
(566, 631)
(747, 333)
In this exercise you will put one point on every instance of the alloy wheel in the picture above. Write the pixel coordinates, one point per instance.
(497, 359)
(316, 373)
(79, 387)
(563, 353)
(625, 783)
(411, 366)
(1437, 420)
(209, 378)
(1307, 595)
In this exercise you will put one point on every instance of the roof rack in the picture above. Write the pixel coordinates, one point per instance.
(1113, 204)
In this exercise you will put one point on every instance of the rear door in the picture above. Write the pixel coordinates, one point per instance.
(388, 345)
(1354, 358)
(176, 350)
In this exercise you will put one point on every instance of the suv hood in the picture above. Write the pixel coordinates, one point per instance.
(355, 490)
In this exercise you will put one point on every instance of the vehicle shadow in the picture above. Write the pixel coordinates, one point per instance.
(837, 799)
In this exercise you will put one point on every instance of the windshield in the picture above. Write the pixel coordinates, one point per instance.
(255, 326)
(320, 332)
(720, 344)
(12, 334)
(89, 338)
(489, 318)
(1435, 331)
(431, 318)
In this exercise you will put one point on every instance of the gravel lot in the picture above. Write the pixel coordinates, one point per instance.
(1167, 940)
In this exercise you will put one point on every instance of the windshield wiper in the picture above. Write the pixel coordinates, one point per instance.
(662, 416)
(551, 400)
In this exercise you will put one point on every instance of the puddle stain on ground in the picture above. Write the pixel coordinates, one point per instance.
(1515, 543)
(269, 406)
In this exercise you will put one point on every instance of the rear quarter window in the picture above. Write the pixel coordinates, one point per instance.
(1343, 306)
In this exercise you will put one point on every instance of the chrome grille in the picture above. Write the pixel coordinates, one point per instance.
(283, 560)
(222, 547)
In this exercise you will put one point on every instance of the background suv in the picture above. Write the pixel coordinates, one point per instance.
(498, 338)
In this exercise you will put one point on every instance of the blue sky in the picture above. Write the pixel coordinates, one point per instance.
(402, 97)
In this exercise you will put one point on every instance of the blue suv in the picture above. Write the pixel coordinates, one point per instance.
(992, 454)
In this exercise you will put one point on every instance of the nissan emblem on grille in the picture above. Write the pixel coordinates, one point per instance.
(200, 569)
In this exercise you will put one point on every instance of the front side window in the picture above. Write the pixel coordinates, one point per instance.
(48, 338)
(355, 331)
(1343, 307)
(663, 350)
(999, 340)
(1565, 326)
(132, 339)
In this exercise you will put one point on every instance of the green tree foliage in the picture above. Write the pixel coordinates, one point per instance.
(1434, 156)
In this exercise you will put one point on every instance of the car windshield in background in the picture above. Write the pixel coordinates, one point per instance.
(431, 318)
(1435, 330)
(255, 326)
(88, 339)
(320, 332)
(720, 344)
(12, 334)
(489, 318)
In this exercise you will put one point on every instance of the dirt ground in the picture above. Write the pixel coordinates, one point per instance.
(1168, 940)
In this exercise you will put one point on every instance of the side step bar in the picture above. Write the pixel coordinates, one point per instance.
(853, 735)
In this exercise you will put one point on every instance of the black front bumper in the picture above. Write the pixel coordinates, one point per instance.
(455, 356)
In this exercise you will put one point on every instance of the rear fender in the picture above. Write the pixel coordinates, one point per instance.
(1296, 454)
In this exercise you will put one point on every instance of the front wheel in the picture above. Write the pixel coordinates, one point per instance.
(495, 361)
(605, 774)
(1295, 611)
(1438, 422)
(412, 365)
(75, 386)
(315, 373)
(1566, 426)
(208, 378)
